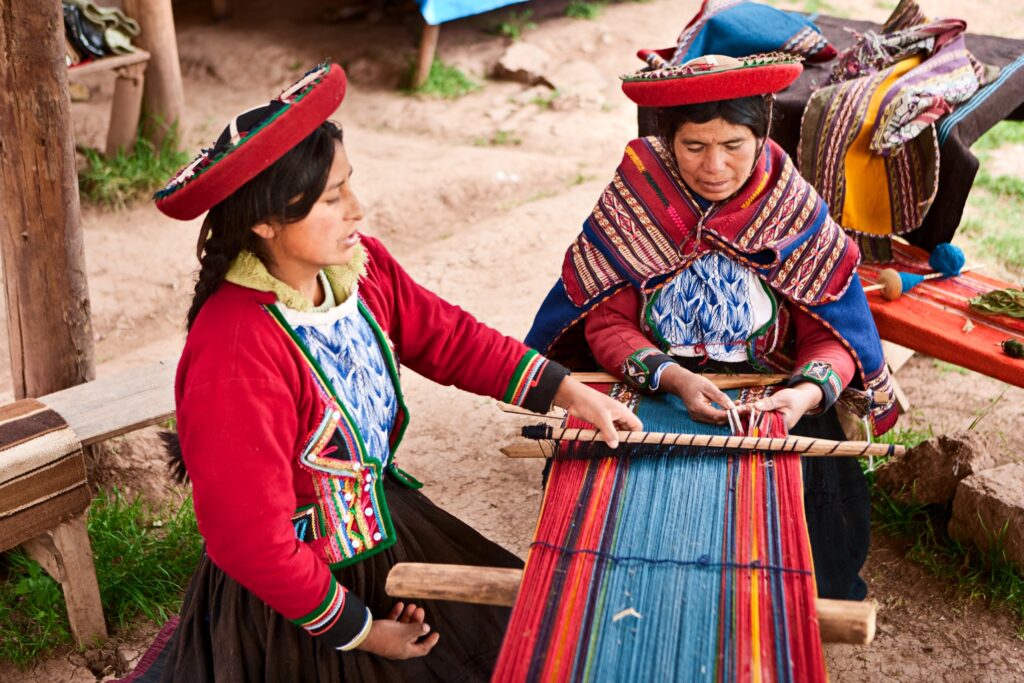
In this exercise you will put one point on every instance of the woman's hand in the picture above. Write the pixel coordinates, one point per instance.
(698, 394)
(604, 412)
(397, 636)
(793, 402)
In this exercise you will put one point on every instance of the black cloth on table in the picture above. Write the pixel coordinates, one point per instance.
(957, 167)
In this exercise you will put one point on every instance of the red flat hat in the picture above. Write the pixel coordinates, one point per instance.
(711, 78)
(253, 140)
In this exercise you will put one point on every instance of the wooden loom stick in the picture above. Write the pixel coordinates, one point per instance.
(720, 380)
(840, 621)
(803, 445)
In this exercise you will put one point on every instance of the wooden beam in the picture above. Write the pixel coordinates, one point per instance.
(840, 621)
(126, 109)
(48, 322)
(164, 96)
(64, 552)
(428, 48)
(75, 73)
(722, 381)
(115, 405)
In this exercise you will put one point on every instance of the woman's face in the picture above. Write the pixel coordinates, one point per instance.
(327, 235)
(714, 158)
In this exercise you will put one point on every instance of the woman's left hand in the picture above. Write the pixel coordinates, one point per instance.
(602, 411)
(793, 402)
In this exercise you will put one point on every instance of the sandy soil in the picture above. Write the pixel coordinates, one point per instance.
(486, 226)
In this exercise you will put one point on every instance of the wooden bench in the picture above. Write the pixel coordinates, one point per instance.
(55, 532)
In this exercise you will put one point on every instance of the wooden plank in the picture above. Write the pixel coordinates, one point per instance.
(125, 110)
(720, 380)
(112, 406)
(895, 355)
(107, 64)
(66, 555)
(428, 47)
(839, 621)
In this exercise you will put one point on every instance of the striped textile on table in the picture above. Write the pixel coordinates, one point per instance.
(674, 565)
(42, 472)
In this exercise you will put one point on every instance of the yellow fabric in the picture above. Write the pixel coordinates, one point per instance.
(248, 271)
(867, 201)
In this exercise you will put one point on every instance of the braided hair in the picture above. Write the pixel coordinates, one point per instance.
(284, 192)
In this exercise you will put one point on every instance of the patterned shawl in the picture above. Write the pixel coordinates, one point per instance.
(867, 141)
(647, 226)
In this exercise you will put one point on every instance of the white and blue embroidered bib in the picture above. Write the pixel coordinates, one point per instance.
(713, 308)
(343, 343)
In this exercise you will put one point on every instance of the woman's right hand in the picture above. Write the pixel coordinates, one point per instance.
(697, 393)
(397, 636)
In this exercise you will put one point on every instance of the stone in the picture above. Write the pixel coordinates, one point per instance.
(990, 505)
(929, 472)
(524, 63)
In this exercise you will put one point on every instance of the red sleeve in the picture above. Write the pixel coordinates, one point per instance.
(815, 342)
(619, 345)
(449, 346)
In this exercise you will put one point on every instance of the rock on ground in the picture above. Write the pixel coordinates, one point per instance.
(990, 505)
(930, 472)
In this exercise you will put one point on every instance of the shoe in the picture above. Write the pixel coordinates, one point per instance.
(107, 17)
(117, 42)
(85, 38)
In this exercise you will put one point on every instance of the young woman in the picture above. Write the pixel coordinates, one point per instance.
(708, 252)
(290, 413)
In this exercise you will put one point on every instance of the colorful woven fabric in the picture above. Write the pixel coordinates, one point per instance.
(738, 28)
(674, 565)
(935, 318)
(42, 472)
(868, 143)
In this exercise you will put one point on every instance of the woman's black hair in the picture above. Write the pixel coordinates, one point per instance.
(752, 112)
(283, 192)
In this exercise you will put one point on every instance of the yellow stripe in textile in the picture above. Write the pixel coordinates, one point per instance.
(867, 201)
(755, 616)
(635, 159)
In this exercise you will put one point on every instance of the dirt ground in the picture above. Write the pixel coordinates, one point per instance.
(485, 225)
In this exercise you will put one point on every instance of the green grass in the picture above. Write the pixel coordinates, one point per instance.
(547, 100)
(582, 9)
(144, 558)
(984, 574)
(446, 82)
(515, 25)
(499, 138)
(1003, 133)
(943, 367)
(127, 178)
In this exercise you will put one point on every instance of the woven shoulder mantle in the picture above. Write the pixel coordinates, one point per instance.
(647, 224)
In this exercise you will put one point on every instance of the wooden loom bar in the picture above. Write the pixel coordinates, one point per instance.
(720, 380)
(804, 445)
(839, 621)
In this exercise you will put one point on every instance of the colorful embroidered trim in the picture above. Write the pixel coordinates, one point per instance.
(326, 613)
(640, 367)
(524, 378)
(820, 373)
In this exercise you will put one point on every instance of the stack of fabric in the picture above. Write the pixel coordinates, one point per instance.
(93, 32)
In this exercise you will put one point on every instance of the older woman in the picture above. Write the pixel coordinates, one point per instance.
(708, 252)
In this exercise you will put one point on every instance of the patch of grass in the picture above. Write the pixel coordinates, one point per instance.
(1001, 185)
(992, 225)
(1003, 133)
(515, 25)
(547, 100)
(127, 178)
(943, 367)
(499, 138)
(446, 82)
(582, 9)
(144, 558)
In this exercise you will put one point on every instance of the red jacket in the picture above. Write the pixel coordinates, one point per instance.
(247, 404)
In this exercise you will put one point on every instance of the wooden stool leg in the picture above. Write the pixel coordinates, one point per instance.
(428, 46)
(66, 555)
(125, 110)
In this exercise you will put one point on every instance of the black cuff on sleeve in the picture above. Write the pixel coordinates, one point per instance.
(542, 394)
(347, 626)
(820, 373)
(640, 368)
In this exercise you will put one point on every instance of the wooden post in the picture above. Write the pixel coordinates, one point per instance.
(48, 317)
(428, 46)
(840, 621)
(64, 552)
(126, 108)
(164, 97)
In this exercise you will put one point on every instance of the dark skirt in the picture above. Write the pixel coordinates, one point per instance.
(227, 634)
(837, 504)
